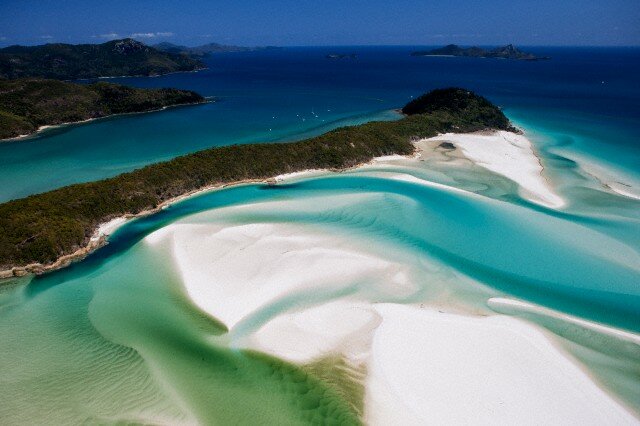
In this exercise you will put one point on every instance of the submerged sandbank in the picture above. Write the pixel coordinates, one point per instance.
(511, 306)
(612, 180)
(252, 267)
(305, 295)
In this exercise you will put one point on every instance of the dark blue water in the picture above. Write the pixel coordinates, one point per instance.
(293, 93)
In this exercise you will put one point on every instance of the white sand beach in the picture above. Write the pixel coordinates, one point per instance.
(510, 155)
(303, 173)
(342, 327)
(441, 368)
(232, 272)
(303, 295)
(108, 228)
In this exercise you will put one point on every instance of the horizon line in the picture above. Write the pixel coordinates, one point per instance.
(3, 45)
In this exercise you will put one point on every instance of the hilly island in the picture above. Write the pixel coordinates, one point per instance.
(503, 52)
(38, 231)
(206, 50)
(126, 57)
(28, 104)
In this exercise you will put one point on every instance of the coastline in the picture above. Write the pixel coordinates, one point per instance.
(143, 75)
(43, 128)
(98, 240)
(512, 156)
(460, 140)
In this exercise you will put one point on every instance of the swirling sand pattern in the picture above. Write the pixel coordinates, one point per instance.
(120, 337)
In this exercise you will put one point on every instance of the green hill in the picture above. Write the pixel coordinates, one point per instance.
(461, 102)
(26, 104)
(125, 57)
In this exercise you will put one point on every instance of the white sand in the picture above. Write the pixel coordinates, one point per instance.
(509, 155)
(504, 305)
(303, 173)
(233, 272)
(387, 158)
(623, 190)
(438, 368)
(319, 172)
(613, 180)
(429, 367)
(405, 177)
(340, 327)
(302, 295)
(108, 228)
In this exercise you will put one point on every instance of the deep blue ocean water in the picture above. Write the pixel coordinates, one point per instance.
(292, 93)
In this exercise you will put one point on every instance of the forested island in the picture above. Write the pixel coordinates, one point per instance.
(115, 58)
(40, 229)
(503, 52)
(206, 50)
(27, 104)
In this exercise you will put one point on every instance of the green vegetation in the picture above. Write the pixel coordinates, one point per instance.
(503, 52)
(43, 227)
(460, 102)
(26, 104)
(69, 62)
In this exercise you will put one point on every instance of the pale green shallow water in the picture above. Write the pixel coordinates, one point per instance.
(114, 338)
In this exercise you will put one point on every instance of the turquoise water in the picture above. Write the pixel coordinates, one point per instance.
(122, 346)
(115, 338)
(108, 147)
(295, 92)
(117, 330)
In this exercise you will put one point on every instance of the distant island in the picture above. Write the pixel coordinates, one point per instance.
(47, 231)
(28, 104)
(341, 56)
(503, 52)
(206, 49)
(115, 58)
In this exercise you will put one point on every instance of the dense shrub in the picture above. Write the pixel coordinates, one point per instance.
(460, 101)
